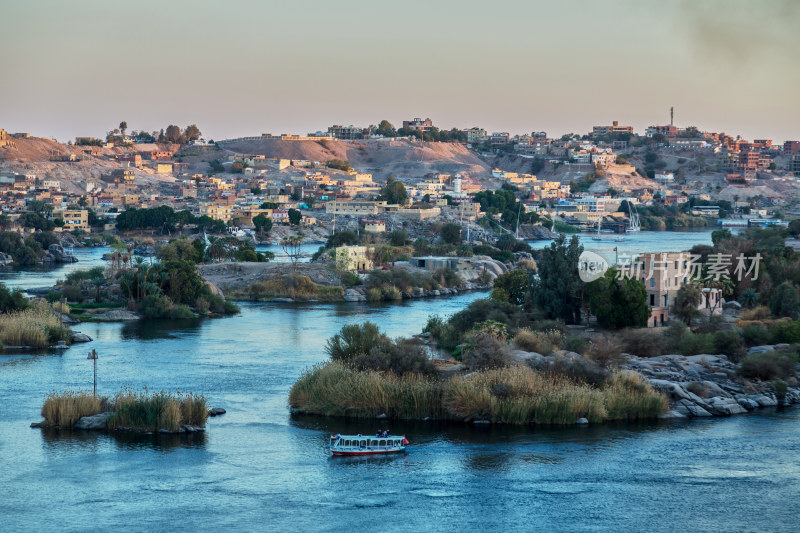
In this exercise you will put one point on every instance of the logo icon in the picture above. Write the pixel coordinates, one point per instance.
(591, 266)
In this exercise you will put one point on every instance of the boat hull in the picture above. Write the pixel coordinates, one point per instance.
(368, 452)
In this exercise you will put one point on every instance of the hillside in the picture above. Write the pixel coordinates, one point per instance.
(401, 158)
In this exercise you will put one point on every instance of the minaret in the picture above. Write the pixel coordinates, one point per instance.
(671, 116)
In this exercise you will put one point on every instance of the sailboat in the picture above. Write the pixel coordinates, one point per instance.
(634, 224)
(598, 237)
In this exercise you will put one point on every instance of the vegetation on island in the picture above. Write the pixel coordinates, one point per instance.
(34, 325)
(142, 411)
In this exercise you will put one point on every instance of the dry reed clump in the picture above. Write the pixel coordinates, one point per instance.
(151, 411)
(513, 395)
(61, 307)
(628, 396)
(336, 389)
(761, 312)
(37, 326)
(529, 397)
(295, 286)
(543, 342)
(66, 408)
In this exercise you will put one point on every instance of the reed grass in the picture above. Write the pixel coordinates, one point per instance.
(66, 408)
(36, 326)
(296, 286)
(150, 411)
(513, 395)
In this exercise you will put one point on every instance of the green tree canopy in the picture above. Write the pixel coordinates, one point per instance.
(558, 288)
(618, 303)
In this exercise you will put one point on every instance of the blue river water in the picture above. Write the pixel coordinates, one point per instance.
(259, 468)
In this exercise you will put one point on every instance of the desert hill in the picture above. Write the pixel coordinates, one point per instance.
(398, 157)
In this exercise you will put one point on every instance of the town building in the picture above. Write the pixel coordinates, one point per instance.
(353, 258)
(418, 124)
(73, 218)
(612, 129)
(355, 207)
(338, 131)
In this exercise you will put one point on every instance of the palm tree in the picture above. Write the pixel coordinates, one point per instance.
(98, 281)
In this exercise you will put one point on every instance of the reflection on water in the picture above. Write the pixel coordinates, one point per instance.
(66, 441)
(154, 329)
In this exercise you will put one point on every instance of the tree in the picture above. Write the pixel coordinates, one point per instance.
(342, 238)
(749, 298)
(354, 340)
(537, 164)
(394, 192)
(262, 223)
(386, 129)
(450, 233)
(122, 127)
(339, 165)
(785, 301)
(255, 190)
(516, 285)
(618, 303)
(11, 301)
(291, 247)
(558, 290)
(192, 133)
(173, 134)
(398, 237)
(295, 217)
(686, 302)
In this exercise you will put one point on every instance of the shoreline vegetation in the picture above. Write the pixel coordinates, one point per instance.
(128, 410)
(511, 395)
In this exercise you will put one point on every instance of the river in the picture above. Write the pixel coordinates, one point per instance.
(258, 468)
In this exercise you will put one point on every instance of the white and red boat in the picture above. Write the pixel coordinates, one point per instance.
(367, 445)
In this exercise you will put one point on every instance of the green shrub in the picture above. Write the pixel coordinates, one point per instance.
(485, 351)
(696, 343)
(643, 342)
(698, 388)
(785, 331)
(355, 340)
(350, 279)
(577, 344)
(768, 365)
(781, 388)
(731, 343)
(401, 357)
(755, 335)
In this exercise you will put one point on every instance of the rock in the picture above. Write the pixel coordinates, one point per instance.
(381, 416)
(352, 295)
(38, 424)
(5, 259)
(766, 401)
(165, 431)
(419, 292)
(673, 414)
(582, 422)
(77, 336)
(747, 403)
(93, 422)
(732, 305)
(66, 319)
(117, 314)
(521, 355)
(216, 411)
(696, 410)
(760, 349)
(725, 406)
(283, 300)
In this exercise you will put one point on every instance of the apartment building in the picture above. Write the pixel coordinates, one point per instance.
(355, 207)
(475, 135)
(73, 218)
(337, 131)
(612, 129)
(418, 124)
(219, 212)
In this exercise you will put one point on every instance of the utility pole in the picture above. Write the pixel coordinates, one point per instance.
(93, 357)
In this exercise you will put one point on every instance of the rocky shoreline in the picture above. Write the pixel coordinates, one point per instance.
(359, 294)
(702, 385)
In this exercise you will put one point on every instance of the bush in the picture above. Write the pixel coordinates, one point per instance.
(768, 365)
(151, 411)
(698, 388)
(11, 301)
(757, 313)
(731, 343)
(696, 343)
(578, 369)
(755, 335)
(485, 351)
(785, 331)
(606, 352)
(543, 342)
(487, 309)
(643, 342)
(578, 345)
(355, 340)
(401, 357)
(350, 279)
(160, 306)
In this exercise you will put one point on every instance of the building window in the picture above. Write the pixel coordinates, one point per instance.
(652, 282)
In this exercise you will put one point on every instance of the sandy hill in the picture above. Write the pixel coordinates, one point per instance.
(400, 158)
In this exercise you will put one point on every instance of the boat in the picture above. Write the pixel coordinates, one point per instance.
(367, 445)
(619, 239)
(598, 237)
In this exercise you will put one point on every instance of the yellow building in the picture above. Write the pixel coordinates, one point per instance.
(164, 168)
(73, 218)
(219, 212)
(374, 226)
(354, 258)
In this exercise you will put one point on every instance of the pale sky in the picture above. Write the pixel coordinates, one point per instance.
(246, 67)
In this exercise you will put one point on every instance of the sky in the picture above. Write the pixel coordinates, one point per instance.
(246, 67)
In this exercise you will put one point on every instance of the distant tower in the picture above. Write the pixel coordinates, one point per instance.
(671, 115)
